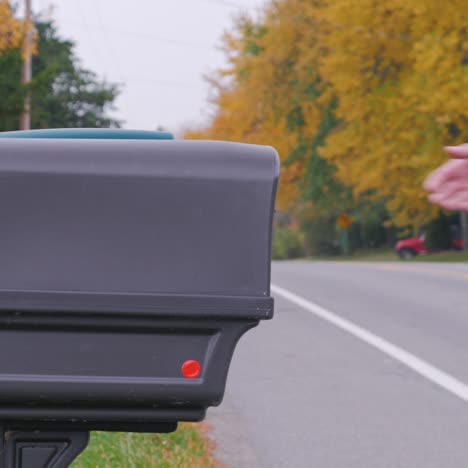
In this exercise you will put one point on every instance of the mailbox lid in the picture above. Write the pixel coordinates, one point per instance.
(89, 134)
(141, 219)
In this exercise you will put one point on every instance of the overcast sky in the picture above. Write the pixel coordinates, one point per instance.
(158, 49)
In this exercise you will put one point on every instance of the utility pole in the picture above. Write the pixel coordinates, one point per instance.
(26, 72)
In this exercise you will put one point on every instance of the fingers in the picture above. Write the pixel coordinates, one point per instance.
(449, 184)
(448, 190)
(458, 152)
(449, 171)
(456, 202)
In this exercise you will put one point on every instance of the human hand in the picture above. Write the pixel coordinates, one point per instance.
(448, 185)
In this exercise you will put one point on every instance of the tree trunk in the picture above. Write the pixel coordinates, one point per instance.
(464, 229)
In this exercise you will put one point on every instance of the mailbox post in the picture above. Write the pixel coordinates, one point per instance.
(131, 266)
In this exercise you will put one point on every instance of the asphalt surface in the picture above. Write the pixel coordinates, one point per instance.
(305, 393)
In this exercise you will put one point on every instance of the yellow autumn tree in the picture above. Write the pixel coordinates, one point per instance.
(374, 87)
(11, 29)
(259, 94)
(399, 71)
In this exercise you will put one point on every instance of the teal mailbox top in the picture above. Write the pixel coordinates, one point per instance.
(89, 134)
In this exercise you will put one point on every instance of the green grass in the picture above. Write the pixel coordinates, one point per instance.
(187, 447)
(443, 257)
(389, 255)
(375, 255)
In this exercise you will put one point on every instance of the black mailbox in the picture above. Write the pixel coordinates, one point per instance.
(129, 270)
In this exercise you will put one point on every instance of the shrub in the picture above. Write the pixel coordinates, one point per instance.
(439, 233)
(286, 243)
(320, 237)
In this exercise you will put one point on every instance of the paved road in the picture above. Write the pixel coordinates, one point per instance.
(304, 393)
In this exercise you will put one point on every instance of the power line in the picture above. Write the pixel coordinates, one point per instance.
(152, 81)
(175, 42)
(110, 46)
(225, 3)
(79, 8)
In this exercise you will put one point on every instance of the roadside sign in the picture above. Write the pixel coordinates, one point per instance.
(344, 221)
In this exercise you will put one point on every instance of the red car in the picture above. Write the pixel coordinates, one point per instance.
(409, 248)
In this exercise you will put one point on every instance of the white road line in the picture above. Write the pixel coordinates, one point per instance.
(418, 365)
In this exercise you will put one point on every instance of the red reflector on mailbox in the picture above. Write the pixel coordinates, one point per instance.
(191, 369)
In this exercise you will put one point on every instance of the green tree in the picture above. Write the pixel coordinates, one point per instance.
(64, 94)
